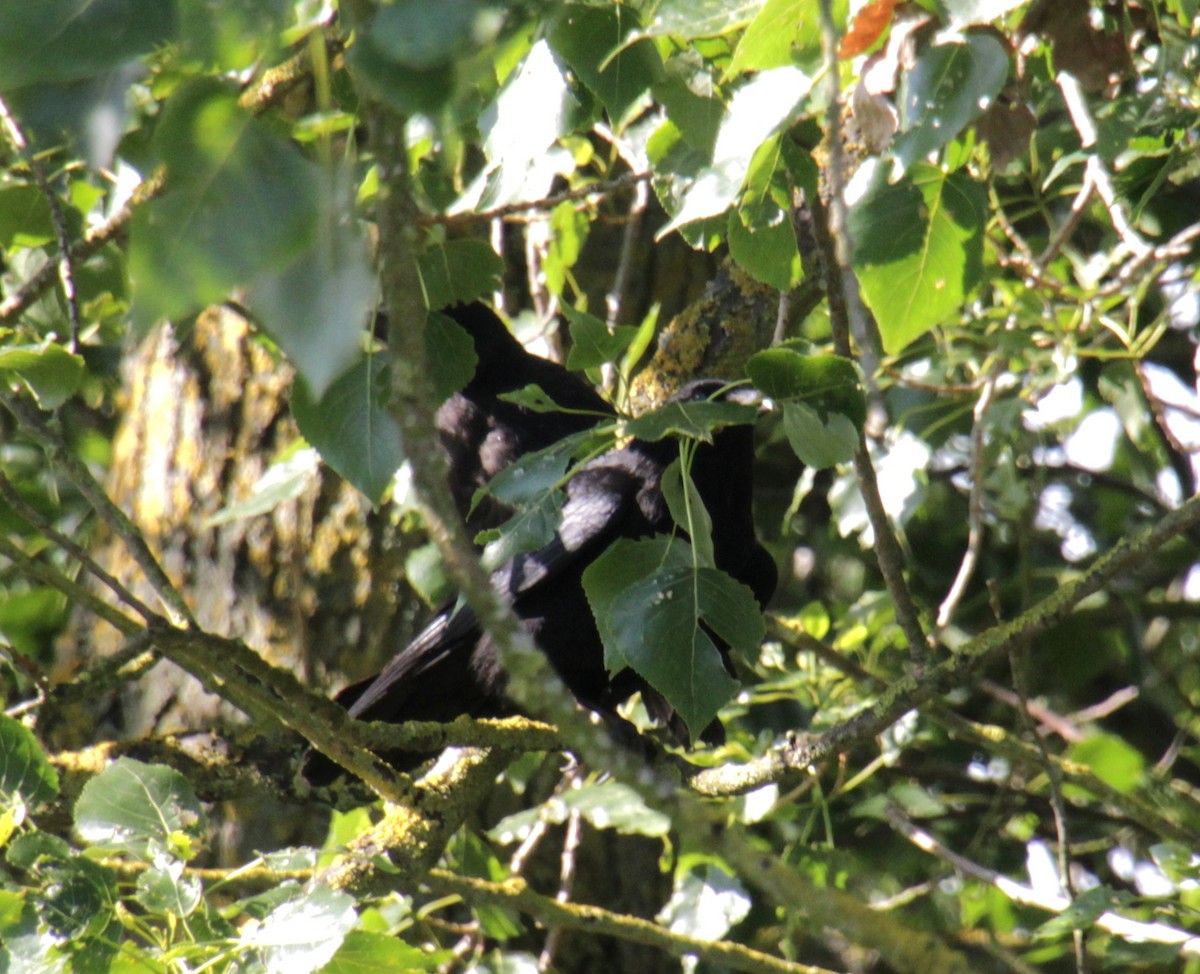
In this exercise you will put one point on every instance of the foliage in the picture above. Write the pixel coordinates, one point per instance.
(973, 702)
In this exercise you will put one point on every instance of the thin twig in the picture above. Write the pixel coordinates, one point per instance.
(52, 577)
(1096, 173)
(547, 203)
(66, 270)
(15, 304)
(32, 421)
(566, 883)
(76, 551)
(970, 559)
(66, 265)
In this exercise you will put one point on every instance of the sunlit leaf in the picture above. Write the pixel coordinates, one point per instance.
(705, 903)
(918, 247)
(758, 110)
(284, 480)
(303, 934)
(52, 373)
(363, 952)
(951, 84)
(24, 771)
(826, 383)
(700, 18)
(139, 808)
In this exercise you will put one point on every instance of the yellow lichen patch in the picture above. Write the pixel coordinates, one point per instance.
(713, 336)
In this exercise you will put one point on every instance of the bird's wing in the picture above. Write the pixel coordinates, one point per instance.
(454, 630)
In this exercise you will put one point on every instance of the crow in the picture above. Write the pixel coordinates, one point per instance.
(482, 435)
(452, 666)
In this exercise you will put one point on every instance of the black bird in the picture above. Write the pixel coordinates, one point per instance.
(452, 668)
(482, 435)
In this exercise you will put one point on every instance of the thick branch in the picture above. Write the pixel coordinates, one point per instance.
(516, 895)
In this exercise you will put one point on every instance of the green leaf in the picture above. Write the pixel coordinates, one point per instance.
(32, 617)
(605, 804)
(71, 40)
(690, 19)
(533, 397)
(317, 305)
(828, 383)
(24, 217)
(351, 427)
(376, 953)
(592, 344)
(521, 129)
(164, 889)
(697, 117)
(1176, 860)
(409, 91)
(595, 42)
(283, 480)
(240, 204)
(649, 600)
(1112, 760)
(819, 442)
(425, 572)
(36, 850)
(613, 805)
(424, 34)
(78, 898)
(769, 253)
(231, 35)
(304, 933)
(25, 773)
(950, 86)
(52, 373)
(144, 809)
(698, 420)
(569, 228)
(458, 271)
(759, 109)
(918, 247)
(533, 526)
(535, 473)
(688, 510)
(782, 30)
(450, 352)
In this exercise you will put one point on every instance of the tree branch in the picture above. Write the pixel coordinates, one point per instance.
(516, 895)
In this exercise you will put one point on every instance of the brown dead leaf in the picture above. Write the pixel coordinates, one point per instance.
(868, 26)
